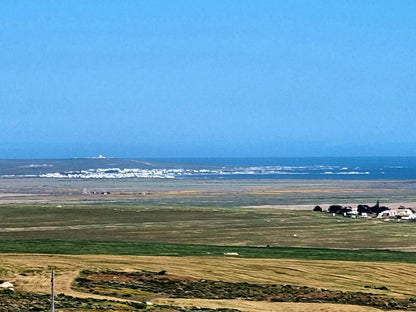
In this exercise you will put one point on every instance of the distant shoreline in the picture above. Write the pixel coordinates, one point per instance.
(255, 193)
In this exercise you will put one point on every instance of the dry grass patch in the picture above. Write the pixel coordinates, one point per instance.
(30, 272)
(256, 306)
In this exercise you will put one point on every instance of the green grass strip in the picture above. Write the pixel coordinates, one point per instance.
(163, 249)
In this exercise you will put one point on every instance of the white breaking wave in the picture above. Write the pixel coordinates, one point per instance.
(36, 166)
(114, 173)
(347, 172)
(117, 173)
(172, 173)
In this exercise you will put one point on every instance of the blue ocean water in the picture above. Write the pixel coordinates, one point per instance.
(367, 168)
(342, 168)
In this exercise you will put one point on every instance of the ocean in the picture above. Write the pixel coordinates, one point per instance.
(339, 168)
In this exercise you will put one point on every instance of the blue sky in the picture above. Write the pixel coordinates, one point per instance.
(207, 78)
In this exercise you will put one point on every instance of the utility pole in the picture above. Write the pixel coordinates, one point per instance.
(52, 293)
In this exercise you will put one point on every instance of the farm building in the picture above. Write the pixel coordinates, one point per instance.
(400, 213)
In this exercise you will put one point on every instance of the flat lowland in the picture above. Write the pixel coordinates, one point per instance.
(31, 273)
(206, 193)
(202, 225)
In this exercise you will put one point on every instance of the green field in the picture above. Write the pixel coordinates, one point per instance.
(160, 249)
(196, 231)
(195, 225)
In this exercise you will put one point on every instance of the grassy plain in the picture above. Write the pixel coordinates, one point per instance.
(202, 225)
(186, 250)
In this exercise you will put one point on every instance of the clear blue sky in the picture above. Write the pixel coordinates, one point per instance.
(207, 78)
